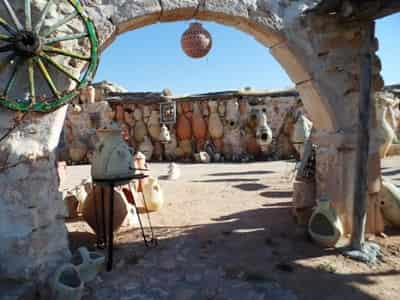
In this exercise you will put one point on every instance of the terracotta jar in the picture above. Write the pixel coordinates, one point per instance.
(154, 126)
(93, 204)
(215, 126)
(153, 195)
(140, 164)
(252, 146)
(186, 107)
(196, 42)
(140, 131)
(138, 114)
(199, 127)
(186, 146)
(183, 128)
(146, 147)
(128, 117)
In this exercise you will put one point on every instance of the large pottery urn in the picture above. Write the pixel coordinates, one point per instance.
(199, 127)
(215, 126)
(183, 128)
(196, 42)
(112, 158)
(119, 113)
(186, 146)
(170, 147)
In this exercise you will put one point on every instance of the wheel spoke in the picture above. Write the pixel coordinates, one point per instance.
(13, 16)
(65, 38)
(60, 23)
(7, 27)
(7, 48)
(59, 67)
(31, 73)
(28, 15)
(49, 49)
(45, 11)
(4, 37)
(13, 78)
(47, 77)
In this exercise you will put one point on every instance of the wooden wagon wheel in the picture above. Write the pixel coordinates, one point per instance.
(36, 57)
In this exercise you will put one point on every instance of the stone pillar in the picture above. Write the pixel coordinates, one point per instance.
(32, 231)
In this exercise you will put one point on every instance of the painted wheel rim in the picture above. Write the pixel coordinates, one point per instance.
(39, 49)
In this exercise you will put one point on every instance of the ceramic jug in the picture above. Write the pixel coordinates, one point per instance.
(215, 126)
(325, 226)
(154, 126)
(112, 158)
(153, 195)
(183, 128)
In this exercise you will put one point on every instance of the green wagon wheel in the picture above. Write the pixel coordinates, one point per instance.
(39, 58)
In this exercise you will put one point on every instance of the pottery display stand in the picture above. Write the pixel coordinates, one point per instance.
(107, 238)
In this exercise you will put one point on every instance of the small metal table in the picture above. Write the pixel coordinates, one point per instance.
(111, 184)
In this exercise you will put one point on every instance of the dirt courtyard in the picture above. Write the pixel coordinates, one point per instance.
(226, 232)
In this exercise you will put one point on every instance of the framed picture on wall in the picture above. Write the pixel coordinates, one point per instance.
(168, 113)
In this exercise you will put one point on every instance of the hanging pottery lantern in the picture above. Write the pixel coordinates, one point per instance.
(196, 42)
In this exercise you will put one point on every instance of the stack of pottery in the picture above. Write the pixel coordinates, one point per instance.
(199, 127)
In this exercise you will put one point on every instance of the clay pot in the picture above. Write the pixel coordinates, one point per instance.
(186, 107)
(325, 226)
(221, 109)
(153, 196)
(204, 108)
(140, 131)
(128, 118)
(183, 128)
(154, 126)
(186, 146)
(146, 147)
(146, 112)
(252, 146)
(88, 263)
(93, 204)
(199, 126)
(138, 114)
(140, 164)
(219, 145)
(119, 113)
(215, 126)
(67, 284)
(196, 42)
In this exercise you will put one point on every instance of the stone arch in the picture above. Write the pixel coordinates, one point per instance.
(262, 21)
(320, 54)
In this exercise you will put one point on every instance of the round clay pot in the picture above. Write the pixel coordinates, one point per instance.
(183, 128)
(140, 131)
(196, 42)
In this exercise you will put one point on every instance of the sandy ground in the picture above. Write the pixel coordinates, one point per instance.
(232, 222)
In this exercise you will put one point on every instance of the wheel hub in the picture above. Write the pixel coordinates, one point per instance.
(27, 43)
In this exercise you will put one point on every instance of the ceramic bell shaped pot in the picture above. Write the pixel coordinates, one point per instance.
(146, 147)
(112, 158)
(215, 126)
(263, 132)
(198, 123)
(67, 284)
(325, 226)
(88, 263)
(140, 131)
(221, 109)
(153, 195)
(119, 113)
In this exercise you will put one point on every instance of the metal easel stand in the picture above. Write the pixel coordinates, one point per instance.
(105, 241)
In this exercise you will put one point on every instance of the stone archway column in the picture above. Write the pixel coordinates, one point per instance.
(32, 231)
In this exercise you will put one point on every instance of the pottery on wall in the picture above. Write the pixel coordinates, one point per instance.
(128, 117)
(215, 126)
(232, 113)
(146, 147)
(252, 146)
(301, 133)
(146, 112)
(183, 128)
(219, 145)
(157, 151)
(154, 126)
(204, 108)
(140, 131)
(232, 146)
(221, 109)
(199, 127)
(165, 135)
(138, 114)
(244, 109)
(187, 149)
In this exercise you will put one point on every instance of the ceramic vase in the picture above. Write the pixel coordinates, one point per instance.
(154, 126)
(153, 195)
(215, 126)
(119, 113)
(183, 128)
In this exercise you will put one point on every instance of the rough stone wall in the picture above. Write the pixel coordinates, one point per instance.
(84, 118)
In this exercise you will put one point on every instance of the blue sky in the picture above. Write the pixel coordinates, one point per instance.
(150, 59)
